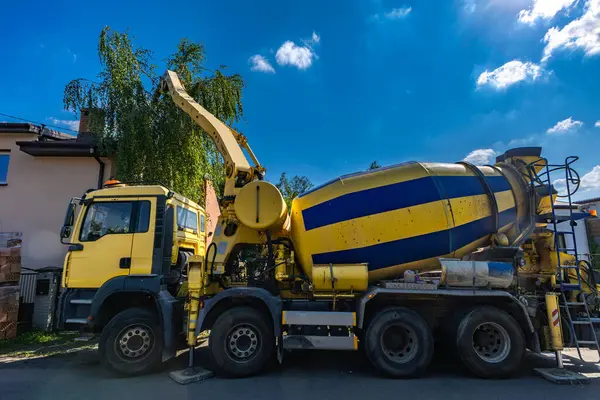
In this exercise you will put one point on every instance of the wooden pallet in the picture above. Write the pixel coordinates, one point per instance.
(9, 311)
(10, 239)
(10, 265)
(8, 330)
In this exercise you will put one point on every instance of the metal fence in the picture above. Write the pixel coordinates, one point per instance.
(27, 287)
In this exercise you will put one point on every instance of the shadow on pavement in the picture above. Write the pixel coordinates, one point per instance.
(305, 363)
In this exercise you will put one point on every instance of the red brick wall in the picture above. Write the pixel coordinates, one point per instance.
(212, 210)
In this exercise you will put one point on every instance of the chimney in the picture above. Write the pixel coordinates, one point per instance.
(84, 134)
(84, 121)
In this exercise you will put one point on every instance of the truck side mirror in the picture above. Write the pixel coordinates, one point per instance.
(67, 228)
(70, 216)
(65, 232)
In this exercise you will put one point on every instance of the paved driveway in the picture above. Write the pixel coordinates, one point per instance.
(306, 376)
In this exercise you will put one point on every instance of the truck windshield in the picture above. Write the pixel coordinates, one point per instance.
(187, 219)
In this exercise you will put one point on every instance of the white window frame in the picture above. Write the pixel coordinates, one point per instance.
(5, 152)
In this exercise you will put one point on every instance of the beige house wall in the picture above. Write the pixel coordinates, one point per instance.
(36, 196)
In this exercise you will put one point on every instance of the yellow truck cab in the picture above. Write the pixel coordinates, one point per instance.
(125, 270)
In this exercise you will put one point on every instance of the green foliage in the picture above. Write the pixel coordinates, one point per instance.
(35, 338)
(292, 188)
(152, 139)
(374, 165)
(595, 252)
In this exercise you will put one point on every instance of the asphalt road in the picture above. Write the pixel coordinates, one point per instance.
(307, 376)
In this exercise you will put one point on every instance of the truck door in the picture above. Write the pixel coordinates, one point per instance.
(143, 238)
(101, 246)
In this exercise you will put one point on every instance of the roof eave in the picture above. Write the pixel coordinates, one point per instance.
(58, 149)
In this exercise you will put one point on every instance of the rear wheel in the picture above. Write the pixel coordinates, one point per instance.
(241, 342)
(131, 343)
(490, 343)
(399, 343)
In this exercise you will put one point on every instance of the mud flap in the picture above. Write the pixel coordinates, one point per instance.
(166, 304)
(280, 349)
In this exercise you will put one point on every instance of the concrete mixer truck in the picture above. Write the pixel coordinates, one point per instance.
(396, 261)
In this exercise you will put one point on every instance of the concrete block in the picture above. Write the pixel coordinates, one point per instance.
(191, 375)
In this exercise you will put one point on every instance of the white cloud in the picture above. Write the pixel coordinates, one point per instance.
(564, 126)
(469, 6)
(597, 124)
(523, 141)
(67, 123)
(582, 33)
(73, 55)
(398, 13)
(481, 157)
(393, 14)
(300, 57)
(261, 64)
(509, 74)
(589, 181)
(315, 38)
(544, 9)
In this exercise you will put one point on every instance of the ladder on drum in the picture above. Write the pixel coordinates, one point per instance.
(577, 312)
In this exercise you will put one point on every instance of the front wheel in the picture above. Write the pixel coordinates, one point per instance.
(241, 342)
(132, 342)
(490, 343)
(399, 343)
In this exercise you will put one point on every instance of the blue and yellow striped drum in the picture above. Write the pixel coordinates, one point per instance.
(406, 216)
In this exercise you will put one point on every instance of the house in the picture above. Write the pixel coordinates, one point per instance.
(212, 208)
(592, 204)
(580, 215)
(593, 224)
(40, 170)
(593, 227)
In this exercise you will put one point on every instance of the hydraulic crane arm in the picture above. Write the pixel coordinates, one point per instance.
(229, 142)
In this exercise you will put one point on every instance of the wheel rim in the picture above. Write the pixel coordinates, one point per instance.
(399, 343)
(134, 342)
(491, 342)
(243, 342)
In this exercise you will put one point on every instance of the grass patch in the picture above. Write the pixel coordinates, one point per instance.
(38, 343)
(34, 338)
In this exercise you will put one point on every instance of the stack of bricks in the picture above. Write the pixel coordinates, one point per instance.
(10, 273)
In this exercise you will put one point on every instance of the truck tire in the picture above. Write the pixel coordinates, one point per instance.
(132, 342)
(490, 342)
(399, 343)
(241, 342)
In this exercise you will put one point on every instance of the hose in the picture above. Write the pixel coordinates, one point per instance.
(591, 278)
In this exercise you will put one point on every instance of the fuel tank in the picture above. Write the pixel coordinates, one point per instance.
(409, 215)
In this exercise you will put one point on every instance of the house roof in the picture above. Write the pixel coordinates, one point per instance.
(40, 130)
(588, 201)
(51, 143)
(58, 148)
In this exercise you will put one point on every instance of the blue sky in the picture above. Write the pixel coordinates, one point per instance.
(332, 86)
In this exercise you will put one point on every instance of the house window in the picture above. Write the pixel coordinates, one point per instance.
(4, 159)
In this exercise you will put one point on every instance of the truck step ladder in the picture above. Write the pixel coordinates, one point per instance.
(577, 312)
(571, 301)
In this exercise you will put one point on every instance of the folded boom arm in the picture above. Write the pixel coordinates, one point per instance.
(228, 141)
